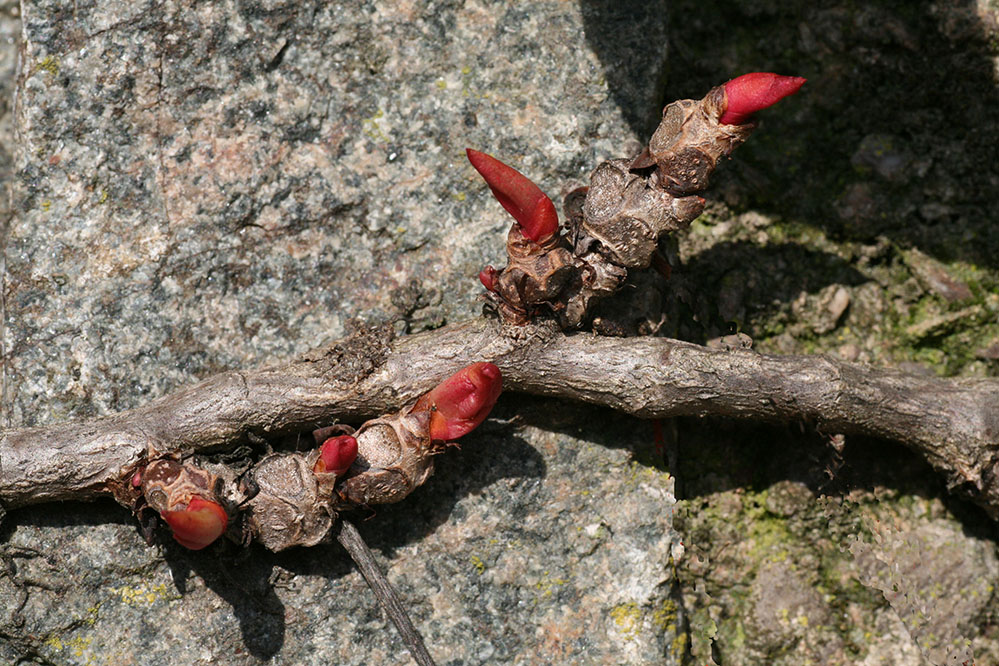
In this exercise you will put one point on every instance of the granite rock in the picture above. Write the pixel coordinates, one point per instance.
(199, 188)
(211, 187)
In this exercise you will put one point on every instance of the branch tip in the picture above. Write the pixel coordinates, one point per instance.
(463, 401)
(336, 455)
(198, 525)
(753, 92)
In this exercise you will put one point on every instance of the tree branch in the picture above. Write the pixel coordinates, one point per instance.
(952, 423)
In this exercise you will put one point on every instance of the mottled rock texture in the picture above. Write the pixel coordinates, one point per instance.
(199, 188)
(210, 187)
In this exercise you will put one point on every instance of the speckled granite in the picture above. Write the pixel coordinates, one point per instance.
(509, 555)
(199, 189)
(204, 188)
(213, 187)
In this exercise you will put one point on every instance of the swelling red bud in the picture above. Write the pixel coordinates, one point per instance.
(463, 401)
(487, 276)
(533, 210)
(201, 523)
(749, 93)
(336, 455)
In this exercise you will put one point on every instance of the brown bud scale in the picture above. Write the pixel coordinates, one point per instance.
(394, 457)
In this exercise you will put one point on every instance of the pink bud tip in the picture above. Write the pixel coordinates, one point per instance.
(336, 455)
(201, 523)
(487, 276)
(463, 401)
(749, 93)
(533, 210)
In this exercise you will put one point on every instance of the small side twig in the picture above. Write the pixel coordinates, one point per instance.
(351, 540)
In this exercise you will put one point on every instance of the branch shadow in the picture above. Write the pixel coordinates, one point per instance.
(895, 134)
(708, 456)
(733, 284)
(489, 454)
(725, 454)
(246, 578)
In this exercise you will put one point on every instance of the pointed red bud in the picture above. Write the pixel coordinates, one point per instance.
(487, 276)
(463, 401)
(749, 93)
(336, 455)
(201, 523)
(533, 210)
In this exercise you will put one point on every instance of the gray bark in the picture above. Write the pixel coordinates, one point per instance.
(952, 423)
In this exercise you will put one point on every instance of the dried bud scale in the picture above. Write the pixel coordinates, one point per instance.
(395, 453)
(291, 506)
(395, 456)
(298, 496)
(535, 275)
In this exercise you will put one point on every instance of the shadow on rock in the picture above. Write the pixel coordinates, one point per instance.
(66, 514)
(896, 132)
(746, 283)
(245, 580)
(725, 455)
(492, 453)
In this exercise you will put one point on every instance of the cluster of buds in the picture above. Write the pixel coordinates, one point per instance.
(292, 498)
(612, 225)
(615, 224)
(540, 264)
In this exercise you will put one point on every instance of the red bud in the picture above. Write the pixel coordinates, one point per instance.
(749, 93)
(201, 523)
(533, 210)
(487, 276)
(336, 455)
(463, 401)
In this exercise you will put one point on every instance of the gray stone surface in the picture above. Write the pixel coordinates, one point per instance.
(509, 555)
(210, 187)
(232, 183)
(203, 188)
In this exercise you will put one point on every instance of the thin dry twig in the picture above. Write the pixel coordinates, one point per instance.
(352, 541)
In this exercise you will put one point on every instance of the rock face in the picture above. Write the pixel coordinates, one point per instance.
(202, 188)
(199, 189)
(210, 187)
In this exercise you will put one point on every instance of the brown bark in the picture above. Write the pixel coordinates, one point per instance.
(952, 423)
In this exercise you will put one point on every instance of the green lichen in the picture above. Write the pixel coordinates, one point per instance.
(50, 65)
(547, 585)
(144, 595)
(664, 617)
(372, 129)
(627, 619)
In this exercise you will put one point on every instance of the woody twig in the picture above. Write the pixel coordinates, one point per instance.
(548, 286)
